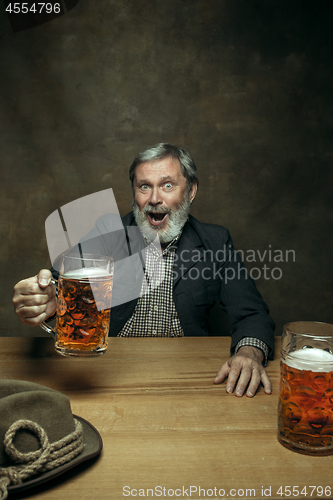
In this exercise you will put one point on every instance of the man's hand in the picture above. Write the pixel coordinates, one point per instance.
(244, 372)
(35, 298)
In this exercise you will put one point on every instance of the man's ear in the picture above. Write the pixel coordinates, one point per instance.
(193, 191)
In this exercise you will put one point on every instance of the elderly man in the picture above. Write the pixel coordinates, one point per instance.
(200, 267)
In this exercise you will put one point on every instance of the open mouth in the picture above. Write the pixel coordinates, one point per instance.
(156, 218)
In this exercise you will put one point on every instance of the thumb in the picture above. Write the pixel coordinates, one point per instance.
(44, 278)
(222, 374)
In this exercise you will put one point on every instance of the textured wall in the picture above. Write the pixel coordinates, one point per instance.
(246, 85)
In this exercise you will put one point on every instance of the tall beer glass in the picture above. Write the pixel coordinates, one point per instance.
(305, 413)
(83, 305)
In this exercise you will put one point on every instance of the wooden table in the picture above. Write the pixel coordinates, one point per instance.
(165, 424)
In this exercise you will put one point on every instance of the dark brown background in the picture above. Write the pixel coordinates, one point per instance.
(246, 85)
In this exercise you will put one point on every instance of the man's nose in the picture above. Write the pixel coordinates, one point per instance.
(155, 197)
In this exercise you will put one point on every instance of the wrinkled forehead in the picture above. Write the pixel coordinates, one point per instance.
(164, 169)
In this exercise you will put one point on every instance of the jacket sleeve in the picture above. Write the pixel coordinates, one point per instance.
(247, 313)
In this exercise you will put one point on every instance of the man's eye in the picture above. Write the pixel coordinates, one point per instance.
(168, 185)
(144, 186)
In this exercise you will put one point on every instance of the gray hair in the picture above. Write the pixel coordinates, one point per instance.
(164, 150)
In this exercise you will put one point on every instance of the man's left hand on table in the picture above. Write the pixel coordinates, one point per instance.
(244, 372)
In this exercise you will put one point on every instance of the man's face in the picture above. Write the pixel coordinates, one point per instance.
(161, 202)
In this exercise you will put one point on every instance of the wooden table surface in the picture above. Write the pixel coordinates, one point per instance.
(164, 424)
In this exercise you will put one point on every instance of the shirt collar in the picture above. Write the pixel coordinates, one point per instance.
(172, 243)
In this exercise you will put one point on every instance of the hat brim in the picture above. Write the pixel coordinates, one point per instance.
(93, 445)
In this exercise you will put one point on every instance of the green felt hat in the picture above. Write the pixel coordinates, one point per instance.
(40, 438)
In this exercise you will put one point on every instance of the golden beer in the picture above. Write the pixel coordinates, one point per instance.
(305, 414)
(83, 314)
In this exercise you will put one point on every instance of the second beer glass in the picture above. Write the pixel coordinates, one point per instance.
(305, 413)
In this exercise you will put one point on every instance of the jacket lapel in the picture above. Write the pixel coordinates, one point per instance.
(189, 252)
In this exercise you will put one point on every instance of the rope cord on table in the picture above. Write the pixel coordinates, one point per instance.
(47, 457)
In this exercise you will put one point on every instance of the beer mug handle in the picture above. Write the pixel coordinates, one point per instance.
(44, 325)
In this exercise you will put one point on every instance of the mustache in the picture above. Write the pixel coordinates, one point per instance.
(157, 210)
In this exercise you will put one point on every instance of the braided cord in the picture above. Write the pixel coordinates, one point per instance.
(47, 457)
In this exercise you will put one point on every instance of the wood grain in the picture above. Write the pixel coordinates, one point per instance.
(163, 421)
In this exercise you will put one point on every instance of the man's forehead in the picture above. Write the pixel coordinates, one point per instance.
(163, 169)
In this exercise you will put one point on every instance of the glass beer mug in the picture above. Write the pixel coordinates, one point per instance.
(83, 305)
(305, 412)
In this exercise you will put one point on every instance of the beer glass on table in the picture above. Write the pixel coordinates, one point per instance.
(83, 305)
(305, 413)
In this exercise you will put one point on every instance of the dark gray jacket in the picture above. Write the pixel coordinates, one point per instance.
(208, 268)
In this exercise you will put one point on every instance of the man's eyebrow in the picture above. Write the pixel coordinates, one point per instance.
(161, 179)
(142, 181)
(167, 178)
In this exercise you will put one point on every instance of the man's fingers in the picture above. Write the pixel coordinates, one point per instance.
(222, 373)
(34, 315)
(257, 377)
(235, 370)
(266, 382)
(35, 319)
(241, 375)
(244, 374)
(30, 295)
(26, 286)
(33, 311)
(253, 383)
(34, 285)
(34, 298)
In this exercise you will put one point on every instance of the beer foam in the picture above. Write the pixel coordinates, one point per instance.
(312, 359)
(86, 272)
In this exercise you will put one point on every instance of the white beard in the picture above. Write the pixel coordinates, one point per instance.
(176, 222)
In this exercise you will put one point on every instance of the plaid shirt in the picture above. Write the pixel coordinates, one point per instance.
(155, 314)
